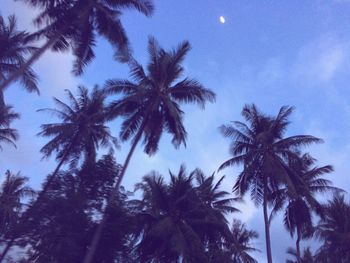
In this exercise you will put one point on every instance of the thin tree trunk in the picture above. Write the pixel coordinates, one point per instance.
(297, 243)
(42, 193)
(267, 226)
(2, 100)
(98, 232)
(7, 248)
(36, 55)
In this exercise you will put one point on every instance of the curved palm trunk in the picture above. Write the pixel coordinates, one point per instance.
(267, 226)
(36, 55)
(98, 232)
(42, 193)
(297, 244)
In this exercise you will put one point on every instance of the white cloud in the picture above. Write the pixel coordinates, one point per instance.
(320, 60)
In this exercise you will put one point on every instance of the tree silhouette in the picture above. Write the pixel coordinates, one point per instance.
(334, 231)
(259, 145)
(306, 257)
(217, 205)
(238, 250)
(81, 132)
(299, 209)
(7, 134)
(14, 47)
(75, 24)
(12, 192)
(66, 217)
(173, 220)
(150, 104)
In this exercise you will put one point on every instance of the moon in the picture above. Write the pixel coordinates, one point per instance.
(222, 20)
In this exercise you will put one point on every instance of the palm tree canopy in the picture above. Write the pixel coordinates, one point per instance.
(174, 220)
(165, 219)
(7, 134)
(151, 101)
(78, 22)
(14, 47)
(82, 129)
(307, 256)
(298, 210)
(334, 230)
(243, 243)
(211, 194)
(12, 192)
(261, 147)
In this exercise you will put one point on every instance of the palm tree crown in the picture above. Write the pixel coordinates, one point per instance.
(75, 24)
(7, 134)
(260, 146)
(243, 243)
(82, 129)
(12, 191)
(14, 47)
(166, 216)
(151, 101)
(299, 209)
(334, 230)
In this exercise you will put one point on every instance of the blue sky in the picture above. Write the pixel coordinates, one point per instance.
(272, 53)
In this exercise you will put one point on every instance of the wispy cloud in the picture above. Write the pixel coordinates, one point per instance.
(320, 60)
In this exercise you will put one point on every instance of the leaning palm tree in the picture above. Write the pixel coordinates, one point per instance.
(7, 134)
(12, 192)
(299, 209)
(151, 102)
(82, 130)
(75, 24)
(261, 147)
(79, 135)
(14, 47)
(150, 105)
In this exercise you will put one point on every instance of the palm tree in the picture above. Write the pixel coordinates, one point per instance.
(7, 134)
(217, 204)
(150, 105)
(14, 47)
(259, 145)
(334, 231)
(307, 256)
(211, 195)
(65, 219)
(242, 245)
(12, 192)
(75, 24)
(238, 250)
(81, 132)
(298, 210)
(151, 101)
(168, 217)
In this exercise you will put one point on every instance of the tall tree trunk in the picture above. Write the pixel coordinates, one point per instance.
(297, 244)
(36, 55)
(98, 232)
(41, 194)
(2, 100)
(267, 226)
